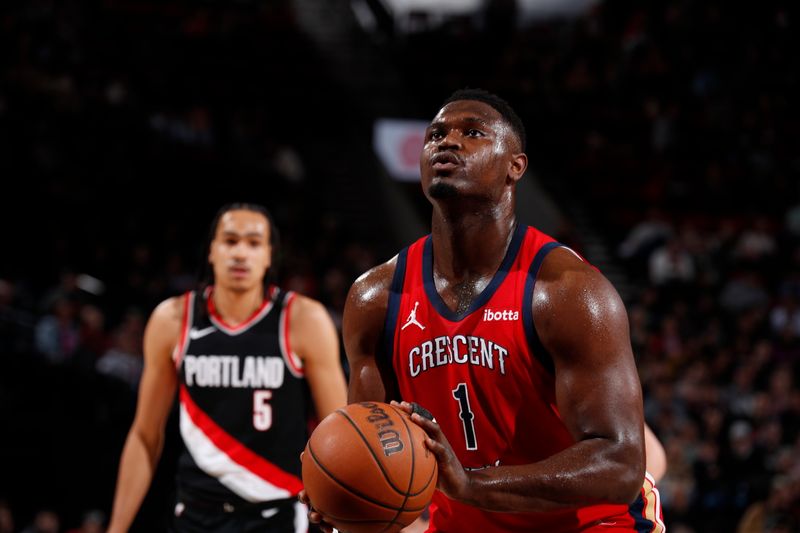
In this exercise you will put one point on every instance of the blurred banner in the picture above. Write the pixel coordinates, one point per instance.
(411, 16)
(398, 144)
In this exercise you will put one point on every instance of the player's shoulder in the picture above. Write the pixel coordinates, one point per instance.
(164, 326)
(373, 286)
(170, 310)
(566, 278)
(306, 308)
(565, 268)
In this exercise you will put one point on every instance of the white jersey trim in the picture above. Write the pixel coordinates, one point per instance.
(252, 321)
(183, 341)
(293, 361)
(300, 518)
(657, 512)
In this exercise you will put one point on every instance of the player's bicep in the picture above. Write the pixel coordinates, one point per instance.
(583, 324)
(159, 377)
(363, 323)
(317, 343)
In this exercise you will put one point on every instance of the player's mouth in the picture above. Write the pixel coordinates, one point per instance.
(239, 272)
(445, 161)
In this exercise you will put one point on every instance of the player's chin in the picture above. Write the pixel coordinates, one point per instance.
(441, 188)
(239, 284)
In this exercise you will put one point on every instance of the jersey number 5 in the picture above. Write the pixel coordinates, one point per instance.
(461, 394)
(262, 410)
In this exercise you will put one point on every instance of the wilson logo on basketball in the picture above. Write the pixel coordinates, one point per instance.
(389, 438)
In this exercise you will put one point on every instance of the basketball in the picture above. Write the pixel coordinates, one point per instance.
(366, 469)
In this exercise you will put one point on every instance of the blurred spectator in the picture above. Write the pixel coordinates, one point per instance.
(94, 521)
(778, 513)
(785, 316)
(646, 236)
(288, 164)
(16, 325)
(45, 521)
(793, 220)
(743, 291)
(124, 360)
(57, 333)
(178, 279)
(92, 338)
(6, 518)
(671, 264)
(757, 242)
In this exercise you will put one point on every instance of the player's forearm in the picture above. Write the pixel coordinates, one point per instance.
(329, 397)
(592, 471)
(136, 469)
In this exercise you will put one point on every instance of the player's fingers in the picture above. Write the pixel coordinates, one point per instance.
(431, 427)
(439, 450)
(404, 406)
(317, 519)
(424, 413)
(303, 497)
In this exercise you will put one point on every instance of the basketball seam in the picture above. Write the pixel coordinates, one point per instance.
(372, 452)
(413, 463)
(351, 489)
(413, 459)
(430, 479)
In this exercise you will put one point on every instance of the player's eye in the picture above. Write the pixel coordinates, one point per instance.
(435, 135)
(474, 133)
(231, 242)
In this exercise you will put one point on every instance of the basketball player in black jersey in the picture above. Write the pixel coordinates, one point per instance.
(240, 352)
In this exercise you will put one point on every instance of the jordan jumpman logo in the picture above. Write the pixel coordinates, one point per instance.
(412, 318)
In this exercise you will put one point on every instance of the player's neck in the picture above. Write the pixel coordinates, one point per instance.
(236, 307)
(471, 244)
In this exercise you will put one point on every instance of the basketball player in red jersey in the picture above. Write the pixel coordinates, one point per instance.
(240, 352)
(518, 348)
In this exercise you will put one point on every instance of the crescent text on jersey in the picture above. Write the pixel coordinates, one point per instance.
(224, 371)
(459, 350)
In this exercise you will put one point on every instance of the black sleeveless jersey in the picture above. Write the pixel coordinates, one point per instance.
(242, 402)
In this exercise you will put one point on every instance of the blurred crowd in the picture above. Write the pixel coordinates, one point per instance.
(670, 123)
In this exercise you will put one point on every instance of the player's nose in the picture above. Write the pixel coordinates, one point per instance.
(239, 251)
(449, 141)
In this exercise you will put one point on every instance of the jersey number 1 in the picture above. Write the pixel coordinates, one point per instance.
(466, 415)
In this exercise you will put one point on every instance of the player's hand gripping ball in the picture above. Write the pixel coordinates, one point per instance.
(366, 469)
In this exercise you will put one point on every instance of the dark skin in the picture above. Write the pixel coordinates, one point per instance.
(470, 164)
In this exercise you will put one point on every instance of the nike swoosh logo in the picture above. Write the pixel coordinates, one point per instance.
(195, 334)
(269, 513)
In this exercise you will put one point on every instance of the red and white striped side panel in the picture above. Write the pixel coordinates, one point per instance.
(652, 504)
(241, 470)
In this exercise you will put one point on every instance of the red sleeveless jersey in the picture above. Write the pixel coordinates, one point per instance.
(489, 383)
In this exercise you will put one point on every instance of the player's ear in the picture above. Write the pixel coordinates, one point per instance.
(517, 166)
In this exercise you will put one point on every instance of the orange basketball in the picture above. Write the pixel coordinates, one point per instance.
(366, 469)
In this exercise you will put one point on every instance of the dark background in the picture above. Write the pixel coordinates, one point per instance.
(666, 132)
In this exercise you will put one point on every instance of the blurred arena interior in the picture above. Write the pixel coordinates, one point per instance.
(663, 140)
